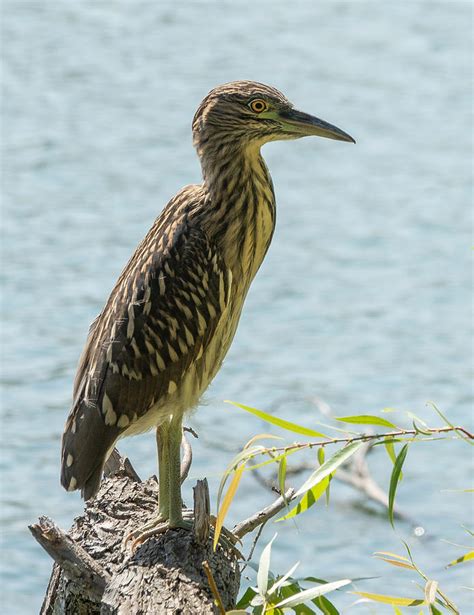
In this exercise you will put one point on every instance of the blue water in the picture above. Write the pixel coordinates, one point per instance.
(362, 303)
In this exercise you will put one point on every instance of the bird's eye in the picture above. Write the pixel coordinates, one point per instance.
(258, 105)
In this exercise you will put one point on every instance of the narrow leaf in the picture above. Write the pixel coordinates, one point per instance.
(244, 455)
(431, 588)
(416, 418)
(279, 422)
(460, 560)
(313, 592)
(325, 606)
(280, 582)
(391, 599)
(394, 560)
(397, 468)
(329, 466)
(328, 489)
(395, 563)
(390, 554)
(244, 601)
(390, 450)
(282, 477)
(229, 496)
(391, 453)
(308, 499)
(264, 567)
(460, 433)
(366, 419)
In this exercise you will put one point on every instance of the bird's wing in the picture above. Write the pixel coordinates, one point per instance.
(160, 317)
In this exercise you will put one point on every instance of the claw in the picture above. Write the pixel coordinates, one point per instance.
(156, 527)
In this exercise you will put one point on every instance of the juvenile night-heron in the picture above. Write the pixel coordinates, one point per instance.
(171, 317)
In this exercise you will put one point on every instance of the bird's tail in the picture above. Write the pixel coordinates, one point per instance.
(86, 443)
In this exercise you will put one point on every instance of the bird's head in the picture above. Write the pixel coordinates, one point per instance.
(247, 112)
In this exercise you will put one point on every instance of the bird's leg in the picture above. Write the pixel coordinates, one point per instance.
(162, 438)
(175, 435)
(170, 514)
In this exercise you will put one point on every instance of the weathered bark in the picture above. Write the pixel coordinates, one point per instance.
(96, 574)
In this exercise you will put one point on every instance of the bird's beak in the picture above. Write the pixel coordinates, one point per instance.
(305, 125)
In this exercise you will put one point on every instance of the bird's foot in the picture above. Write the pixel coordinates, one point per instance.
(155, 527)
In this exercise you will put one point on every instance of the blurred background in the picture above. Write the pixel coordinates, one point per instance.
(363, 300)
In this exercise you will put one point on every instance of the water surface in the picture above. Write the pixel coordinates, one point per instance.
(362, 303)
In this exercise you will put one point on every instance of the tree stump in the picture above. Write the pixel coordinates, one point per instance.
(95, 573)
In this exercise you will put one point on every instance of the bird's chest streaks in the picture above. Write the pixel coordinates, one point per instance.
(244, 230)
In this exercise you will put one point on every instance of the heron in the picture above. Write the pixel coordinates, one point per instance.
(170, 319)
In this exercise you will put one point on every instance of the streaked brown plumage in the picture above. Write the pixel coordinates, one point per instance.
(173, 312)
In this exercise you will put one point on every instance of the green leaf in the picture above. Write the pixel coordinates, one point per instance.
(244, 602)
(321, 455)
(416, 419)
(329, 466)
(279, 422)
(325, 606)
(391, 453)
(391, 599)
(460, 560)
(328, 489)
(264, 567)
(390, 450)
(366, 419)
(397, 468)
(313, 592)
(420, 431)
(281, 477)
(309, 498)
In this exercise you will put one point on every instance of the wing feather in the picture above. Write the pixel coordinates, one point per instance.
(162, 313)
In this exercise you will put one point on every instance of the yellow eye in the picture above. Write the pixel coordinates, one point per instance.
(258, 105)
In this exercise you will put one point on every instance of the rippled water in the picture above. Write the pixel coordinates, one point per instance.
(362, 303)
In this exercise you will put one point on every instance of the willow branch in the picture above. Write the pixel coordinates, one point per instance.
(364, 438)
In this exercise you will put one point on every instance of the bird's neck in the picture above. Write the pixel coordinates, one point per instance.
(241, 197)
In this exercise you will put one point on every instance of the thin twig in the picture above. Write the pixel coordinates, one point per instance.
(252, 548)
(213, 586)
(262, 516)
